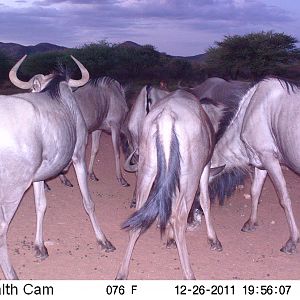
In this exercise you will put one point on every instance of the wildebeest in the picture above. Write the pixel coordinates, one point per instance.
(226, 96)
(175, 148)
(146, 98)
(103, 106)
(220, 99)
(41, 133)
(265, 133)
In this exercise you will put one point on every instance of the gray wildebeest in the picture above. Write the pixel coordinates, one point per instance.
(265, 133)
(103, 106)
(175, 148)
(220, 99)
(146, 98)
(41, 133)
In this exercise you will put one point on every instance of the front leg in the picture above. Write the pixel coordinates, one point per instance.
(95, 147)
(115, 135)
(41, 251)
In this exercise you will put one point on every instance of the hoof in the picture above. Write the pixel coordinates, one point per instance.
(123, 182)
(93, 177)
(249, 227)
(215, 245)
(289, 247)
(11, 274)
(68, 183)
(120, 277)
(133, 203)
(107, 246)
(41, 252)
(46, 187)
(171, 244)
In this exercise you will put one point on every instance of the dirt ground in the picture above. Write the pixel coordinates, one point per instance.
(74, 253)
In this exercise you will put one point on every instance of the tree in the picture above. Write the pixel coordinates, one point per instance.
(252, 55)
(4, 66)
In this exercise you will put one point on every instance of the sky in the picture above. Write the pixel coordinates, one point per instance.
(176, 27)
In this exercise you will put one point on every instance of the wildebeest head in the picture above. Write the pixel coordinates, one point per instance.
(38, 82)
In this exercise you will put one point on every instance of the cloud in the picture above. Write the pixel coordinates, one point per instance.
(156, 22)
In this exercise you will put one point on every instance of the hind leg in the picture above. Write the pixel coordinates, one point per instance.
(205, 204)
(256, 188)
(274, 170)
(9, 201)
(115, 135)
(95, 147)
(6, 213)
(133, 200)
(81, 173)
(144, 185)
(124, 268)
(41, 251)
(64, 180)
(178, 223)
(170, 237)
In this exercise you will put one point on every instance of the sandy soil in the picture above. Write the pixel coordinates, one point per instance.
(74, 253)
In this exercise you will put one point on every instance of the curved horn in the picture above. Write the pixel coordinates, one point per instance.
(14, 79)
(84, 75)
(128, 166)
(180, 86)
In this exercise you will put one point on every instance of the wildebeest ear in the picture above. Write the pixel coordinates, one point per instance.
(215, 171)
(36, 85)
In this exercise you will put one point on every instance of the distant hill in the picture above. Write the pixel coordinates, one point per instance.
(194, 58)
(16, 50)
(129, 44)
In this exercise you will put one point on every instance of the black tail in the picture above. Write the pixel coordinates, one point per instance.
(159, 202)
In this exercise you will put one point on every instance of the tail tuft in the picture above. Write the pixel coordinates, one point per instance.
(159, 202)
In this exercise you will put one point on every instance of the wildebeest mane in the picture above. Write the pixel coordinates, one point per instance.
(149, 100)
(207, 100)
(289, 84)
(229, 111)
(106, 81)
(228, 114)
(224, 185)
(59, 75)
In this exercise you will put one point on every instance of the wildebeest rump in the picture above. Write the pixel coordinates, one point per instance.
(175, 148)
(146, 98)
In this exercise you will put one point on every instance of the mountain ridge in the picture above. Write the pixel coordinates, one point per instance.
(16, 51)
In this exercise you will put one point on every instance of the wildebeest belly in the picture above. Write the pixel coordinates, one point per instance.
(57, 151)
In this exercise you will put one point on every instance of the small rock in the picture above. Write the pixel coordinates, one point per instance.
(49, 243)
(247, 196)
